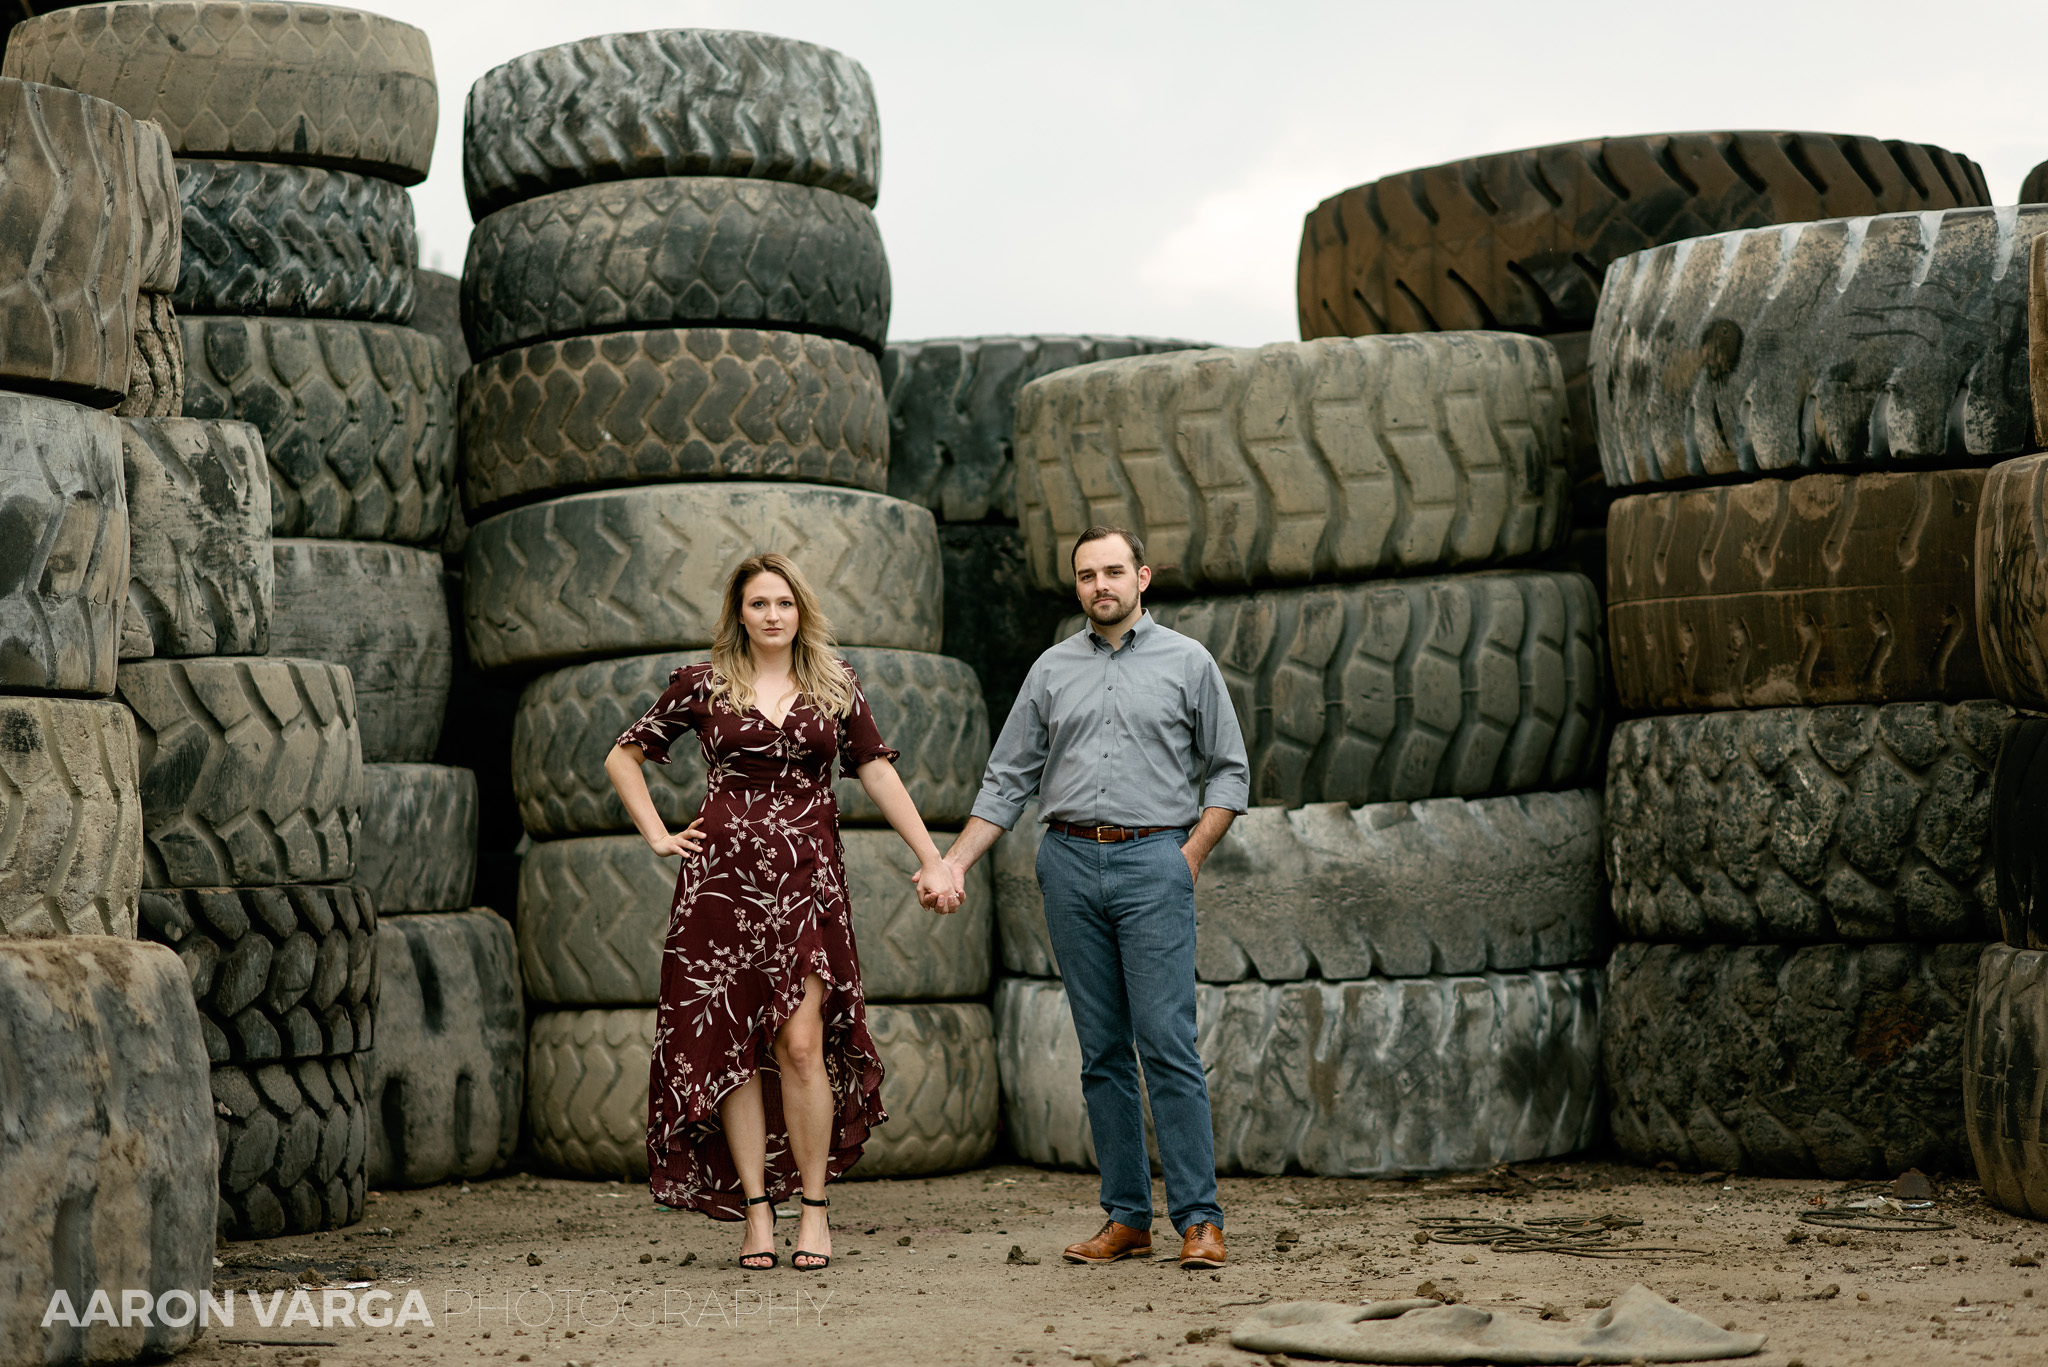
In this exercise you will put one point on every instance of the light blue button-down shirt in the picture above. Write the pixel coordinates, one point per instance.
(1139, 735)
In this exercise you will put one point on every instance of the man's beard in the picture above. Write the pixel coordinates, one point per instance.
(1107, 610)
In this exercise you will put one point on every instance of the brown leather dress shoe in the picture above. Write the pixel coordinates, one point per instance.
(1202, 1246)
(1114, 1242)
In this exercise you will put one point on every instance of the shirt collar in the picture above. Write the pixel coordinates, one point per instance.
(1096, 640)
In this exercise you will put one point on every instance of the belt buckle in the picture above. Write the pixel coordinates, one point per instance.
(1100, 839)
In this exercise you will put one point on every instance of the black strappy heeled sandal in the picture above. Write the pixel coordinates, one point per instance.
(771, 1255)
(824, 1259)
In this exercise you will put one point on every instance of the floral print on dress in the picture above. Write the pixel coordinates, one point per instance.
(760, 904)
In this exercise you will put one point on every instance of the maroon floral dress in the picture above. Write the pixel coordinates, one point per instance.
(759, 905)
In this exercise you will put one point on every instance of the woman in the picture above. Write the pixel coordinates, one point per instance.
(764, 1075)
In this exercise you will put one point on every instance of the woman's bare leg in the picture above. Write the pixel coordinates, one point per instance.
(746, 1138)
(807, 1108)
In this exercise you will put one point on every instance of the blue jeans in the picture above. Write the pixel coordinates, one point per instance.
(1122, 922)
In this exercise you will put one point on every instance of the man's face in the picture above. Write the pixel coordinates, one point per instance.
(1106, 581)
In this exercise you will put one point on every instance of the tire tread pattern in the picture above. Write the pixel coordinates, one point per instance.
(293, 1140)
(675, 252)
(1300, 461)
(1854, 342)
(279, 973)
(200, 580)
(64, 523)
(1363, 1078)
(418, 850)
(1802, 592)
(672, 102)
(1862, 1044)
(1795, 825)
(252, 770)
(358, 420)
(309, 83)
(295, 241)
(1521, 239)
(671, 403)
(70, 818)
(1466, 685)
(2005, 1049)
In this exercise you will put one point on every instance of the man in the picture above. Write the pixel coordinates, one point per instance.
(1116, 729)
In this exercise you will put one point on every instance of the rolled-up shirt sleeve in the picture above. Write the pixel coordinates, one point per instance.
(1220, 742)
(1018, 760)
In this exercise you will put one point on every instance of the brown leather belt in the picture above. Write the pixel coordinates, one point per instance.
(1106, 835)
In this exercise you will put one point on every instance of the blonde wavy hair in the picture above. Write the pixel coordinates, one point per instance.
(820, 676)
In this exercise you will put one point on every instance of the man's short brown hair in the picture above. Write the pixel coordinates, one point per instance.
(1131, 539)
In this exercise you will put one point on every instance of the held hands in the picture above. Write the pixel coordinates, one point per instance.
(681, 842)
(940, 887)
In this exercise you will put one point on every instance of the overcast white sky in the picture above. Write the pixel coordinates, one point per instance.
(1128, 166)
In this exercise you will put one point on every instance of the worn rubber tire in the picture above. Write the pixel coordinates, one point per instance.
(438, 313)
(594, 913)
(1799, 824)
(2019, 806)
(1804, 592)
(313, 84)
(1870, 341)
(942, 1089)
(446, 1079)
(71, 231)
(2012, 581)
(629, 570)
(380, 611)
(586, 1099)
(1521, 239)
(1299, 461)
(159, 251)
(293, 1138)
(1813, 1061)
(279, 973)
(1465, 685)
(671, 102)
(156, 367)
(2004, 1105)
(200, 580)
(927, 706)
(358, 420)
(671, 404)
(70, 818)
(252, 770)
(295, 242)
(953, 412)
(586, 1091)
(1395, 890)
(418, 848)
(675, 252)
(107, 1157)
(997, 620)
(63, 546)
(1342, 1079)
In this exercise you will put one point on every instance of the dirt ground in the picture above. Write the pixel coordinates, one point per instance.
(569, 1274)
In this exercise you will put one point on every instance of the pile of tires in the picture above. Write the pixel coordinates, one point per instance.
(1799, 837)
(110, 1126)
(676, 301)
(288, 623)
(952, 414)
(1522, 240)
(1339, 523)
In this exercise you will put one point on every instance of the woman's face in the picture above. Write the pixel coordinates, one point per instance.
(768, 610)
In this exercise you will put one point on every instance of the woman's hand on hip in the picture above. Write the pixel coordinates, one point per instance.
(681, 842)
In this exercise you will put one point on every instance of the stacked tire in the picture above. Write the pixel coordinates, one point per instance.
(1522, 240)
(2004, 1102)
(1419, 876)
(952, 413)
(109, 1118)
(675, 300)
(1799, 840)
(310, 404)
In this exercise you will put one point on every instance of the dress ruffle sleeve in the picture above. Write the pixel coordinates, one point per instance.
(860, 740)
(670, 716)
